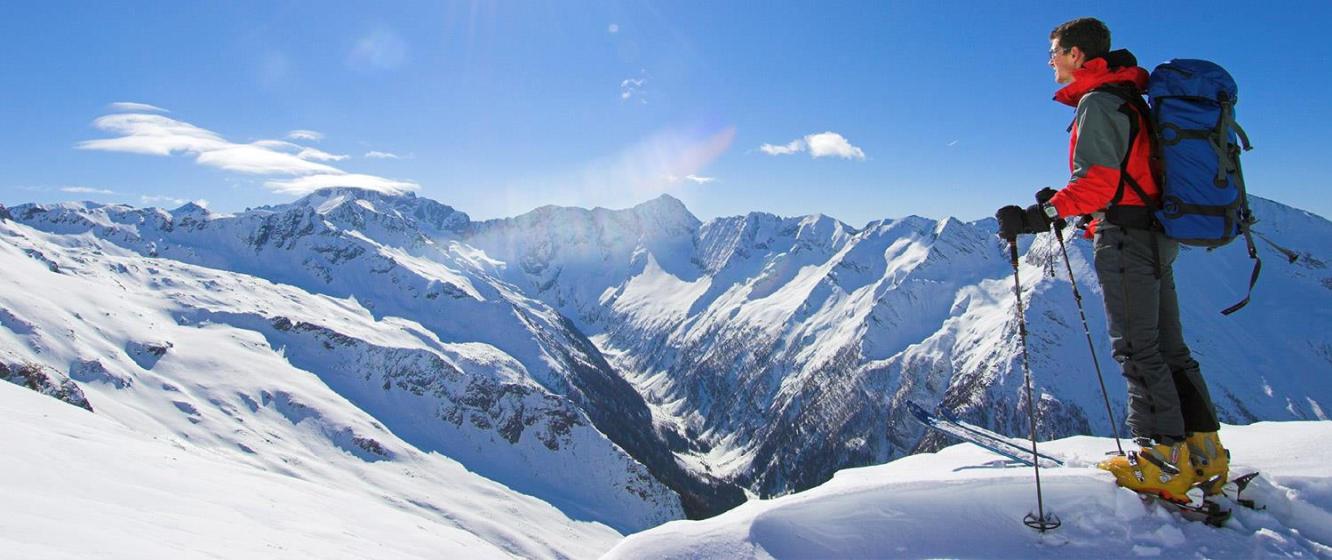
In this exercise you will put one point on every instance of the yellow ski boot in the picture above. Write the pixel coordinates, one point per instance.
(1158, 469)
(1211, 461)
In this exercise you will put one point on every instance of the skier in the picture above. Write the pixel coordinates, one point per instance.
(1170, 411)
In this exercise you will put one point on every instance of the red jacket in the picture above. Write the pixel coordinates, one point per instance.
(1099, 140)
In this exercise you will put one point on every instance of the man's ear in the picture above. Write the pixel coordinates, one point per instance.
(1079, 57)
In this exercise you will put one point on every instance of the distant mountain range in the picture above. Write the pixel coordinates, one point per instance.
(627, 366)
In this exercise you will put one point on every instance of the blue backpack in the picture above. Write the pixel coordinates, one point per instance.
(1196, 145)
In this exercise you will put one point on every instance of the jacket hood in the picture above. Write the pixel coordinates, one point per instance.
(1113, 67)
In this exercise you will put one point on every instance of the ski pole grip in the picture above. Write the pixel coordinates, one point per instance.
(1013, 252)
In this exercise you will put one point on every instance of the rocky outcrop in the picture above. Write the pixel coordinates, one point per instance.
(45, 381)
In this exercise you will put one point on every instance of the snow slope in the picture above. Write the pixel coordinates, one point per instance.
(80, 485)
(203, 414)
(348, 285)
(963, 503)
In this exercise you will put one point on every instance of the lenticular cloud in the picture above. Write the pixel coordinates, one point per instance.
(158, 135)
(310, 183)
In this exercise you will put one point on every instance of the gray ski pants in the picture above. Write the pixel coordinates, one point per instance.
(1167, 396)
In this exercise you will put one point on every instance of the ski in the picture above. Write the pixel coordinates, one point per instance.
(1199, 509)
(981, 437)
(983, 432)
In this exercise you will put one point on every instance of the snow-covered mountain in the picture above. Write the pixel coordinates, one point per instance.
(779, 350)
(409, 334)
(196, 432)
(626, 366)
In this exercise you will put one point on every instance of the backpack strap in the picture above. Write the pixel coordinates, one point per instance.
(1135, 108)
(1124, 177)
(1245, 221)
(1229, 162)
(1244, 138)
(1253, 277)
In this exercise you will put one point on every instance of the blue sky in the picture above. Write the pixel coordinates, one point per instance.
(495, 108)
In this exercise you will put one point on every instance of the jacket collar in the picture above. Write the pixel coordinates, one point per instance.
(1098, 72)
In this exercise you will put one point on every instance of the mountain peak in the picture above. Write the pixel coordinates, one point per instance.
(667, 210)
(353, 207)
(662, 200)
(190, 208)
(328, 198)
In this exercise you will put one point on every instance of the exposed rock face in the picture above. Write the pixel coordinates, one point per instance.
(45, 381)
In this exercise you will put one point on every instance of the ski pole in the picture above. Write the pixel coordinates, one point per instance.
(1041, 522)
(1077, 296)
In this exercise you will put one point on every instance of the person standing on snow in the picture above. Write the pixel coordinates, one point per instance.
(1171, 414)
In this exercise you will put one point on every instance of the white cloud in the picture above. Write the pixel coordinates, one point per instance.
(790, 148)
(823, 144)
(633, 87)
(308, 135)
(614, 28)
(382, 49)
(953, 143)
(691, 178)
(85, 190)
(202, 203)
(154, 135)
(302, 152)
(158, 199)
(826, 144)
(163, 136)
(259, 160)
(311, 183)
(319, 155)
(382, 155)
(130, 106)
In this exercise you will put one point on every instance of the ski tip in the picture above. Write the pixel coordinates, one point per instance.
(1245, 478)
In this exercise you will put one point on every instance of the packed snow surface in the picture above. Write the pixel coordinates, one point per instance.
(964, 502)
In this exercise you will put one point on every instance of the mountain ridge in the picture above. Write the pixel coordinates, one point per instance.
(766, 351)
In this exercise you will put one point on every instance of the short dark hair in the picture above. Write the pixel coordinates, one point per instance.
(1089, 35)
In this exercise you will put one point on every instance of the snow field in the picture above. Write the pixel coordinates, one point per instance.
(964, 502)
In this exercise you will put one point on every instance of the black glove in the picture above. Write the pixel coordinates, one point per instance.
(1011, 222)
(1035, 219)
(1043, 196)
